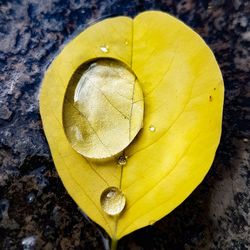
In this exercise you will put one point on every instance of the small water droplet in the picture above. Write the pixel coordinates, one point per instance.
(4, 206)
(31, 197)
(29, 243)
(152, 222)
(112, 201)
(126, 42)
(104, 48)
(122, 160)
(210, 98)
(152, 128)
(245, 140)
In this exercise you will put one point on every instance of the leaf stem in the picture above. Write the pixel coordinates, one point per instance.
(114, 244)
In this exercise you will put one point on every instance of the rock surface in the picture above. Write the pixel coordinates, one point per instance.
(35, 210)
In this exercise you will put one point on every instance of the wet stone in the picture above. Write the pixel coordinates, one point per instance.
(5, 112)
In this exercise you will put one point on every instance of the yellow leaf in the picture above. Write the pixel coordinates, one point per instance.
(183, 100)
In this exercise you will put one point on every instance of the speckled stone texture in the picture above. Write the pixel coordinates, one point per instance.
(35, 210)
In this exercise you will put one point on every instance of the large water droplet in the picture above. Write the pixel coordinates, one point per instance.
(104, 48)
(152, 128)
(99, 80)
(122, 160)
(113, 201)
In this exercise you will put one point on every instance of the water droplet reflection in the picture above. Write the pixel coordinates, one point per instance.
(113, 201)
(152, 128)
(104, 48)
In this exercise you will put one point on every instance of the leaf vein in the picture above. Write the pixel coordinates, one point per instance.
(111, 102)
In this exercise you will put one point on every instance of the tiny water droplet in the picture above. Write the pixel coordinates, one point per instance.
(29, 243)
(126, 42)
(104, 48)
(210, 98)
(152, 222)
(4, 206)
(31, 197)
(112, 201)
(152, 128)
(245, 140)
(122, 160)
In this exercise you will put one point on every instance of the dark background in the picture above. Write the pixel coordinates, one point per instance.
(35, 210)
